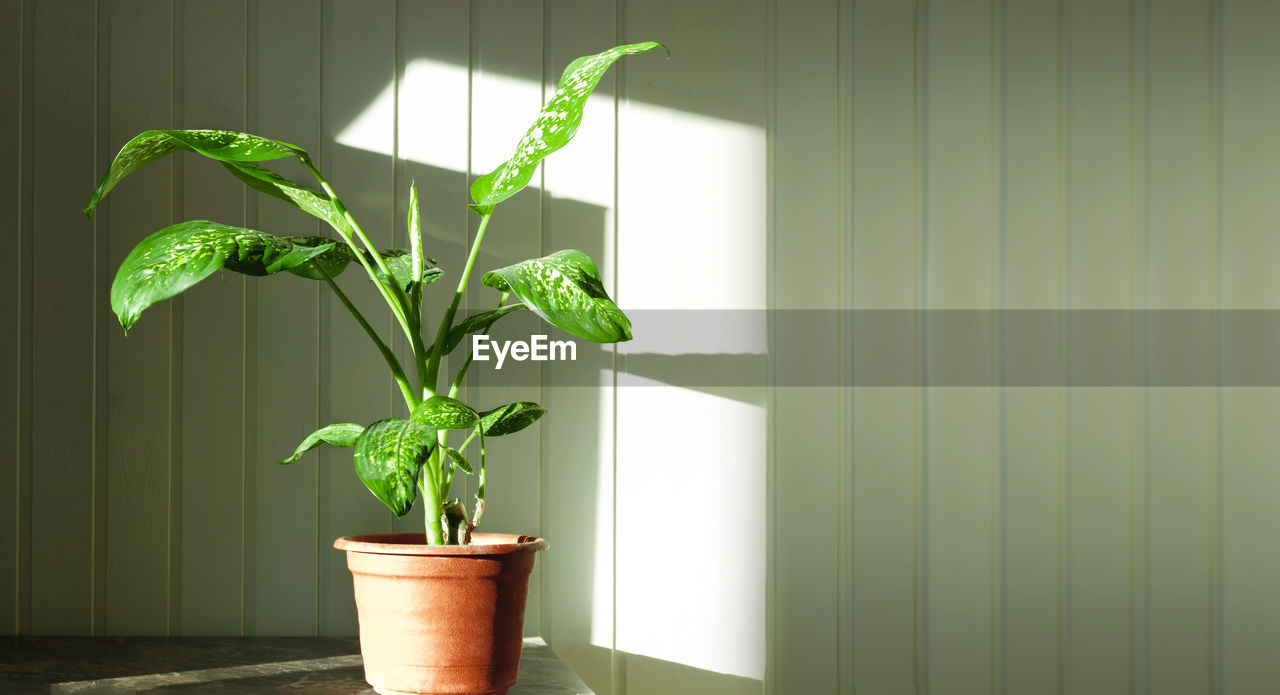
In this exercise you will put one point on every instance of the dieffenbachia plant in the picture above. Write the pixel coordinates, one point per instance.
(398, 459)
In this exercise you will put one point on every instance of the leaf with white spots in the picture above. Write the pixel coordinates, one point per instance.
(177, 257)
(333, 261)
(554, 127)
(222, 145)
(388, 459)
(459, 460)
(315, 203)
(510, 418)
(565, 289)
(444, 413)
(341, 434)
(400, 263)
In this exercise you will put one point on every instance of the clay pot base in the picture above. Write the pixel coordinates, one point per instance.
(441, 620)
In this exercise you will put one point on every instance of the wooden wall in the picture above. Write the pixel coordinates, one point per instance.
(813, 155)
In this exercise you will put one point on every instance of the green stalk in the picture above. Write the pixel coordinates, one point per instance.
(431, 501)
(396, 370)
(398, 302)
(433, 367)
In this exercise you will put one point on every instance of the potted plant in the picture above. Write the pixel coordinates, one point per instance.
(441, 611)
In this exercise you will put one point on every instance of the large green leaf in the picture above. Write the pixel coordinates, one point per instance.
(341, 434)
(554, 127)
(510, 418)
(222, 145)
(444, 413)
(177, 257)
(388, 459)
(565, 289)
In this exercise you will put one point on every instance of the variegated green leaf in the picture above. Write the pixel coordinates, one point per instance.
(222, 145)
(458, 459)
(341, 434)
(315, 203)
(177, 257)
(388, 458)
(554, 127)
(444, 413)
(565, 289)
(510, 418)
(334, 260)
(476, 323)
(400, 263)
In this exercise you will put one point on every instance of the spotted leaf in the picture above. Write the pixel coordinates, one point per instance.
(565, 289)
(334, 260)
(400, 263)
(341, 434)
(388, 458)
(459, 460)
(553, 128)
(177, 257)
(510, 418)
(222, 145)
(315, 203)
(444, 413)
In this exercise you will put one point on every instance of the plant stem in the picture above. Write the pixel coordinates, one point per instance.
(394, 295)
(396, 370)
(431, 501)
(433, 366)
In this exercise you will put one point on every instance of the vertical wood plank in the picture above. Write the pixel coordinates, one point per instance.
(213, 96)
(885, 420)
(358, 65)
(1032, 267)
(1180, 258)
(62, 326)
(282, 599)
(14, 186)
(1250, 172)
(804, 166)
(959, 247)
(104, 323)
(138, 464)
(506, 95)
(1103, 423)
(704, 106)
(578, 431)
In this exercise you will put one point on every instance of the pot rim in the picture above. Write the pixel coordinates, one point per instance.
(415, 544)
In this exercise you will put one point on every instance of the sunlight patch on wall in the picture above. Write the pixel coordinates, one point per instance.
(690, 510)
(430, 134)
(691, 463)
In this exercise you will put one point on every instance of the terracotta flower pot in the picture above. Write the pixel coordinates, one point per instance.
(441, 619)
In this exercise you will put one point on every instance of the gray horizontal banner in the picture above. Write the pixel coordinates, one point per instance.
(701, 349)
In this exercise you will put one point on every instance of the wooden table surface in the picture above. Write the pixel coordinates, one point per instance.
(223, 665)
